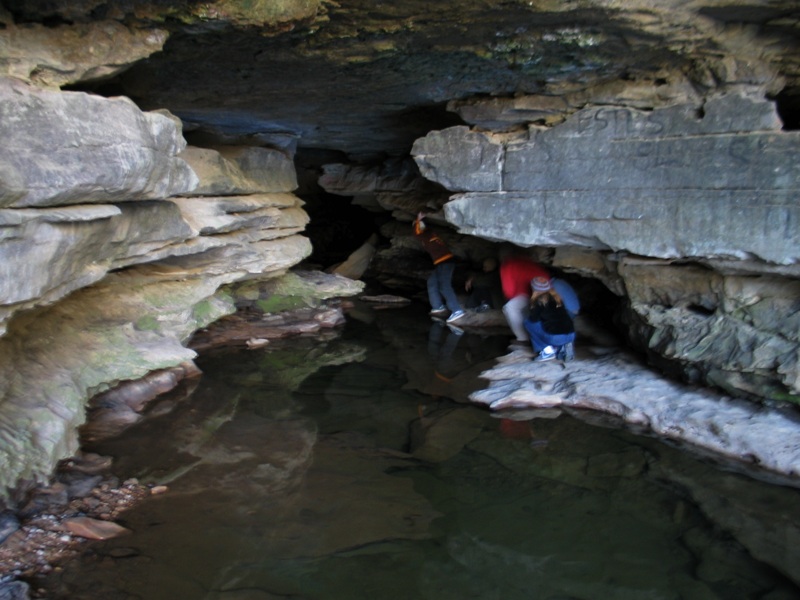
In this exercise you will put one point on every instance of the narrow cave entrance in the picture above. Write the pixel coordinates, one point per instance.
(787, 103)
(337, 228)
(341, 225)
(338, 224)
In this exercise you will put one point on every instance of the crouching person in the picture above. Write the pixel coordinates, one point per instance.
(549, 324)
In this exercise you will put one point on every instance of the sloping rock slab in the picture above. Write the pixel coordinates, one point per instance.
(615, 383)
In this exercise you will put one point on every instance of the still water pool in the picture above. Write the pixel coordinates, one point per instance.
(351, 466)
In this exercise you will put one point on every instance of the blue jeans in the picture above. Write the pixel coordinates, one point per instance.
(540, 338)
(440, 286)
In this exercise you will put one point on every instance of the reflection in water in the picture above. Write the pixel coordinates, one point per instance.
(354, 468)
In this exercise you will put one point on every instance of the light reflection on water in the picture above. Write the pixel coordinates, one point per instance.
(352, 468)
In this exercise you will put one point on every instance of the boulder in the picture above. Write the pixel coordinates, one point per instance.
(63, 148)
(94, 529)
(674, 182)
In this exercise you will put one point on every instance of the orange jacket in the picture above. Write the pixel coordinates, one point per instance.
(432, 243)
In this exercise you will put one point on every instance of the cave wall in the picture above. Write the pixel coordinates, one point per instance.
(673, 184)
(118, 243)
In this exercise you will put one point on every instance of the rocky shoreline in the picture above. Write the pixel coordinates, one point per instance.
(86, 500)
(83, 504)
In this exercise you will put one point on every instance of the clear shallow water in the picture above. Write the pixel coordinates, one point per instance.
(352, 467)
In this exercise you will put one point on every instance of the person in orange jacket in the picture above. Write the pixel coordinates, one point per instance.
(440, 282)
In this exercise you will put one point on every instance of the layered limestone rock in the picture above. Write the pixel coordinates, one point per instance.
(395, 186)
(109, 263)
(69, 54)
(55, 153)
(690, 212)
(671, 183)
(239, 170)
(66, 160)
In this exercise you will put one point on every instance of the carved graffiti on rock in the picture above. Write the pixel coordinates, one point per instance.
(619, 122)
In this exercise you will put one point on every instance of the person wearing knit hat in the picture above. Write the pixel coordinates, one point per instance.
(540, 284)
(549, 324)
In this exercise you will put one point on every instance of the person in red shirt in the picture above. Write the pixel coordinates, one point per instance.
(516, 273)
(440, 282)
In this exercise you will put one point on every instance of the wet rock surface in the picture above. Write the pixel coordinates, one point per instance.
(56, 522)
(85, 500)
(612, 381)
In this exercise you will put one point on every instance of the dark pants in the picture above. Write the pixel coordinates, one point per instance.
(440, 287)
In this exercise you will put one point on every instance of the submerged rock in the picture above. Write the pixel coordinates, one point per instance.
(94, 529)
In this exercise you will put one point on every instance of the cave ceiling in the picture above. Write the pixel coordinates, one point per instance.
(365, 78)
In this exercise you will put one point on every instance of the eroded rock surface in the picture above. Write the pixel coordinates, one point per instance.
(613, 382)
(57, 151)
(106, 272)
(73, 53)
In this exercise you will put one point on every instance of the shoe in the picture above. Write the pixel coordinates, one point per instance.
(455, 316)
(455, 330)
(438, 311)
(482, 308)
(548, 353)
(566, 352)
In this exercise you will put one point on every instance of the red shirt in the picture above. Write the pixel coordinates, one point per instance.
(516, 273)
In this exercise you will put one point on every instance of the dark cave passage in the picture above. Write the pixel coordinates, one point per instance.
(787, 103)
(337, 228)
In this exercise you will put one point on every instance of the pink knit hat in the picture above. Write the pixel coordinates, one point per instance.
(540, 284)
